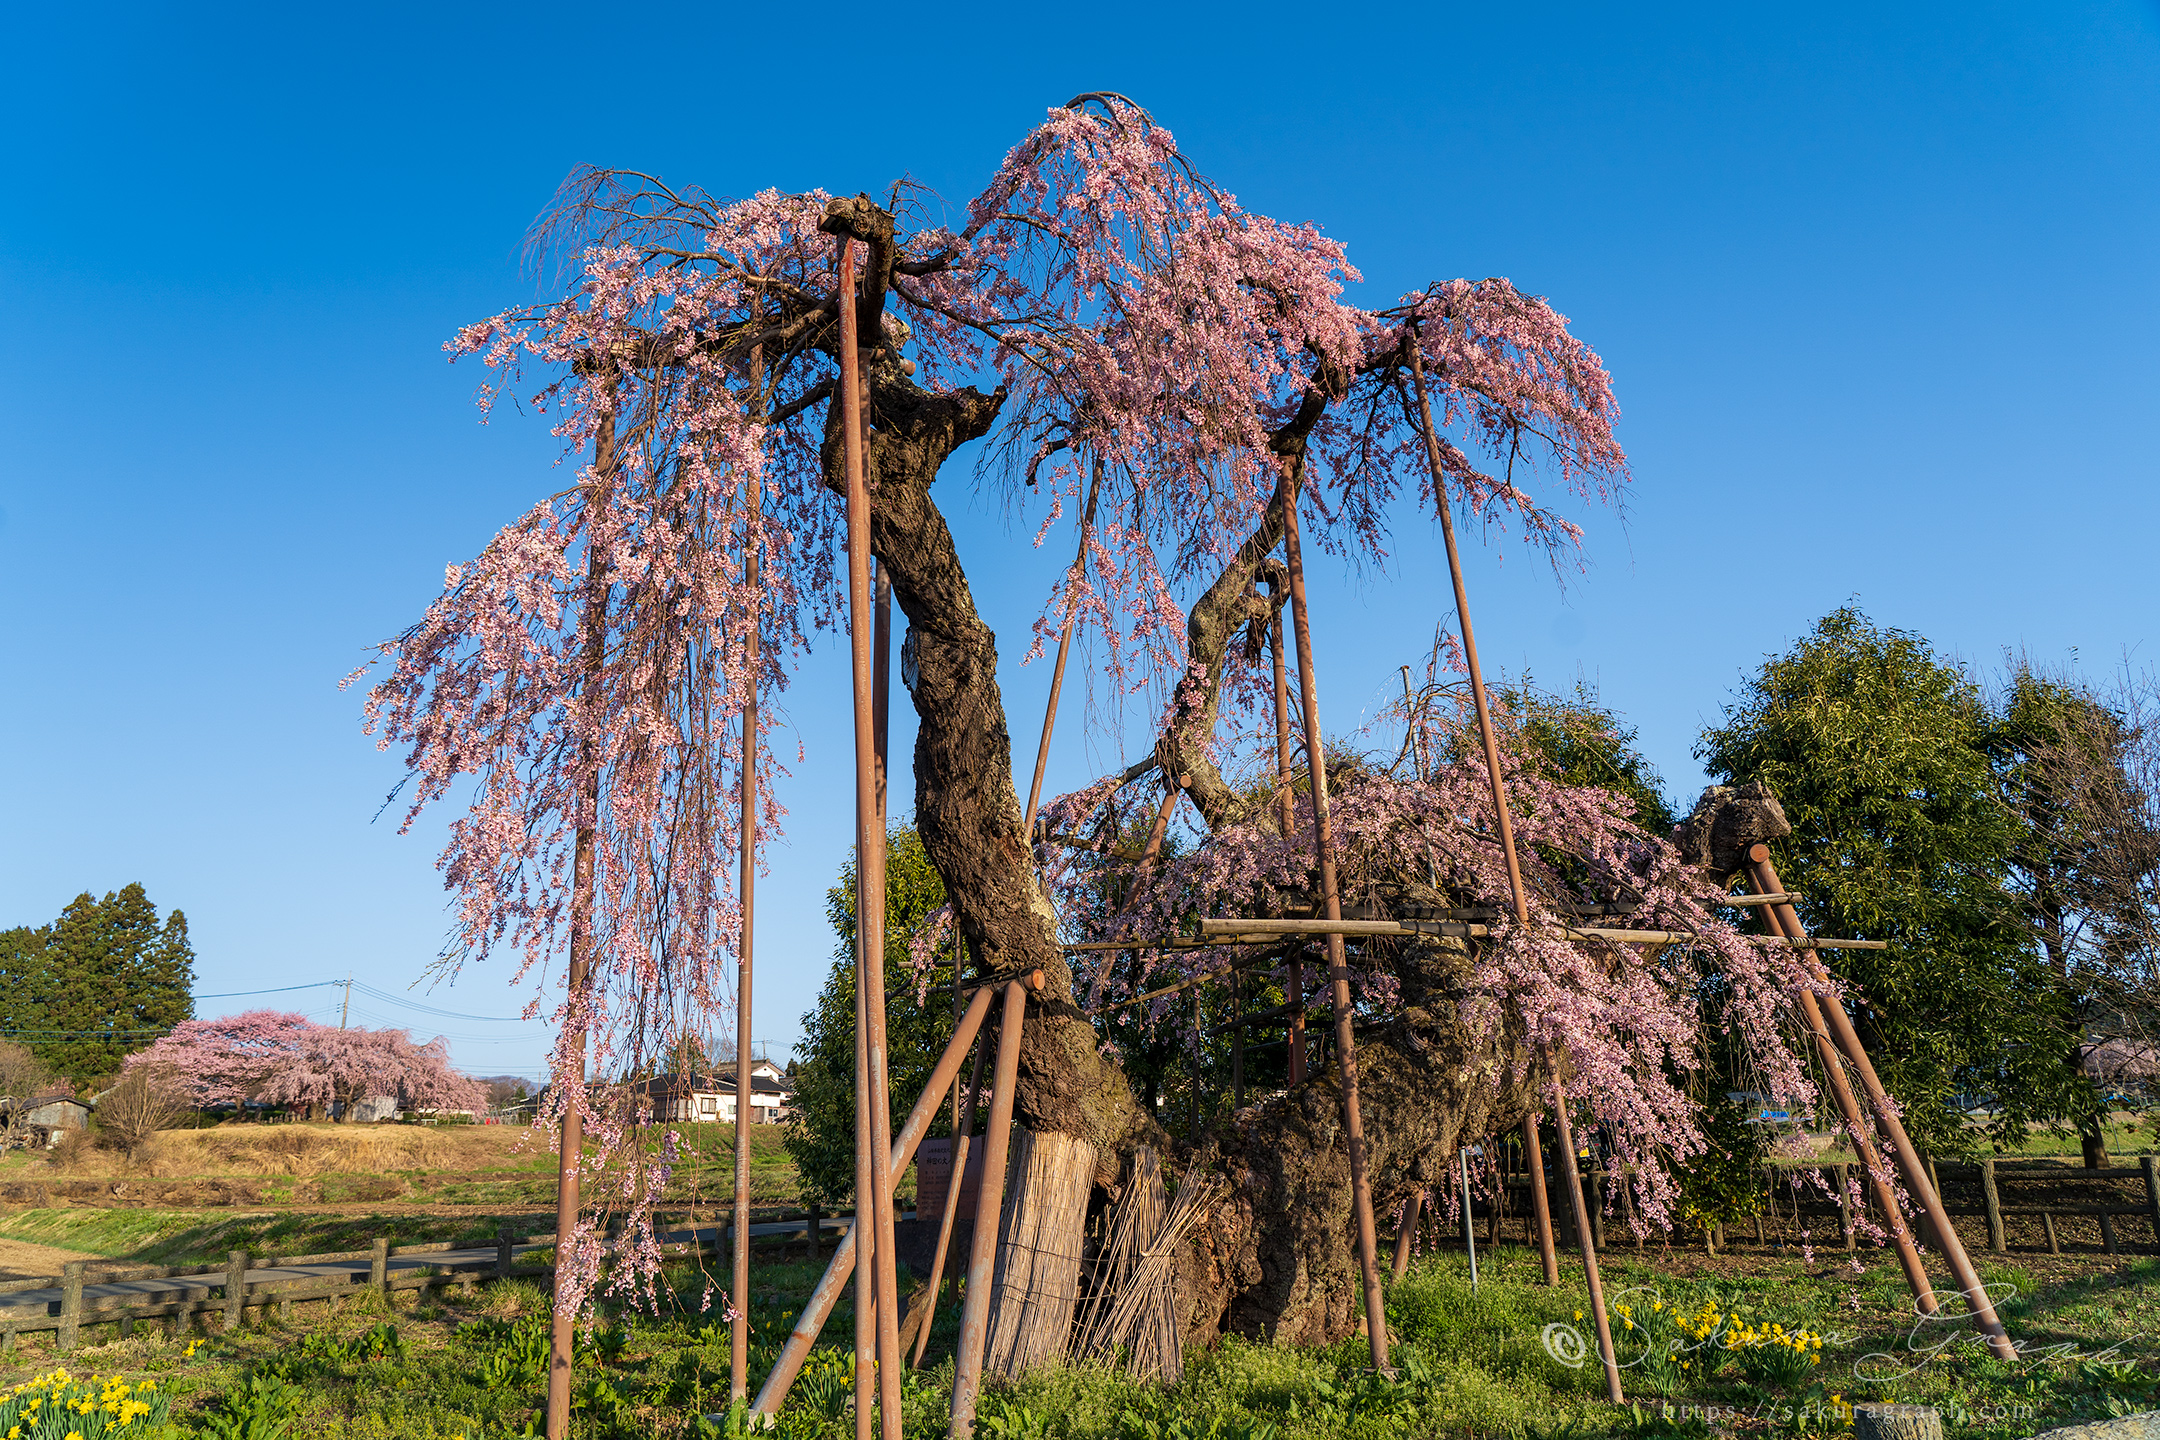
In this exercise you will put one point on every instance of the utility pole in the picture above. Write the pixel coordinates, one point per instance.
(345, 1013)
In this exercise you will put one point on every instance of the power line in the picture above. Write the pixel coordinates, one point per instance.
(281, 990)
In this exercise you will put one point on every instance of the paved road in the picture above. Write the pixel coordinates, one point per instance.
(23, 1304)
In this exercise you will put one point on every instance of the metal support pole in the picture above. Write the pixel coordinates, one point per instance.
(1406, 1234)
(1338, 964)
(1764, 876)
(1287, 804)
(982, 1253)
(827, 1294)
(1583, 1237)
(746, 890)
(1871, 1162)
(1506, 828)
(963, 1125)
(571, 1139)
(1540, 1207)
(1057, 671)
(1469, 1235)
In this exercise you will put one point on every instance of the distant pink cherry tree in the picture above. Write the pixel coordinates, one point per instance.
(278, 1058)
(1135, 345)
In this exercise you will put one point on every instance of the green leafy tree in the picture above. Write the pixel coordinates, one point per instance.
(2084, 866)
(99, 983)
(1882, 753)
(822, 1139)
(1587, 743)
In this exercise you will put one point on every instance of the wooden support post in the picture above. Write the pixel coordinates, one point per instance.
(505, 1250)
(236, 1268)
(2107, 1232)
(1992, 1200)
(378, 1274)
(71, 1287)
(2047, 1223)
(1331, 897)
(982, 1255)
(817, 1230)
(1406, 1234)
(1540, 1217)
(877, 1324)
(1855, 1054)
(2150, 1165)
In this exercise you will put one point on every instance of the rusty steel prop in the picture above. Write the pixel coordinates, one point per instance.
(827, 1294)
(739, 1327)
(1057, 671)
(562, 1336)
(982, 1253)
(963, 1129)
(1338, 964)
(877, 1339)
(1763, 875)
(1296, 978)
(1506, 827)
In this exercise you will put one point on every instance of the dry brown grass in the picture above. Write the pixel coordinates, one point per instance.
(306, 1151)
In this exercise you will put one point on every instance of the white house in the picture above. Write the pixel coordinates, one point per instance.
(710, 1096)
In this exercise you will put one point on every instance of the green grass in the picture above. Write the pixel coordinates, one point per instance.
(1469, 1364)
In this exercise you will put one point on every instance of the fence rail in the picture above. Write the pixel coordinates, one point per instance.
(1973, 1190)
(105, 1292)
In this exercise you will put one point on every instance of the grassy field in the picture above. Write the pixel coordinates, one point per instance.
(1470, 1364)
(1485, 1364)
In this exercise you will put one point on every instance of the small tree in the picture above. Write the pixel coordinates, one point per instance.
(149, 1098)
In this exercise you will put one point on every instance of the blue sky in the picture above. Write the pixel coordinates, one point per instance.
(1875, 283)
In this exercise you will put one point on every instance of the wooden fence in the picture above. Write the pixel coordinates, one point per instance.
(182, 1295)
(1992, 1191)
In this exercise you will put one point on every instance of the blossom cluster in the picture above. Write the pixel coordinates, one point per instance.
(61, 1406)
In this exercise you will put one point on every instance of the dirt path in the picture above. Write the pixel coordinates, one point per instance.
(21, 1260)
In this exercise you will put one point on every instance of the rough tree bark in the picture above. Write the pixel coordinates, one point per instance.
(1275, 1258)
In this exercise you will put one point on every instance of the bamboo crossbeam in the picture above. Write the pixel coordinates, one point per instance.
(1253, 931)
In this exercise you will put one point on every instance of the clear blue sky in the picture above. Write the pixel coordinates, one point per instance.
(1876, 285)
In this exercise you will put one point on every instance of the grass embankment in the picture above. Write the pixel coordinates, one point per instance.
(1472, 1364)
(329, 1164)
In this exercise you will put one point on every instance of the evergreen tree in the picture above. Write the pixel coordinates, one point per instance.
(1881, 753)
(822, 1141)
(107, 979)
